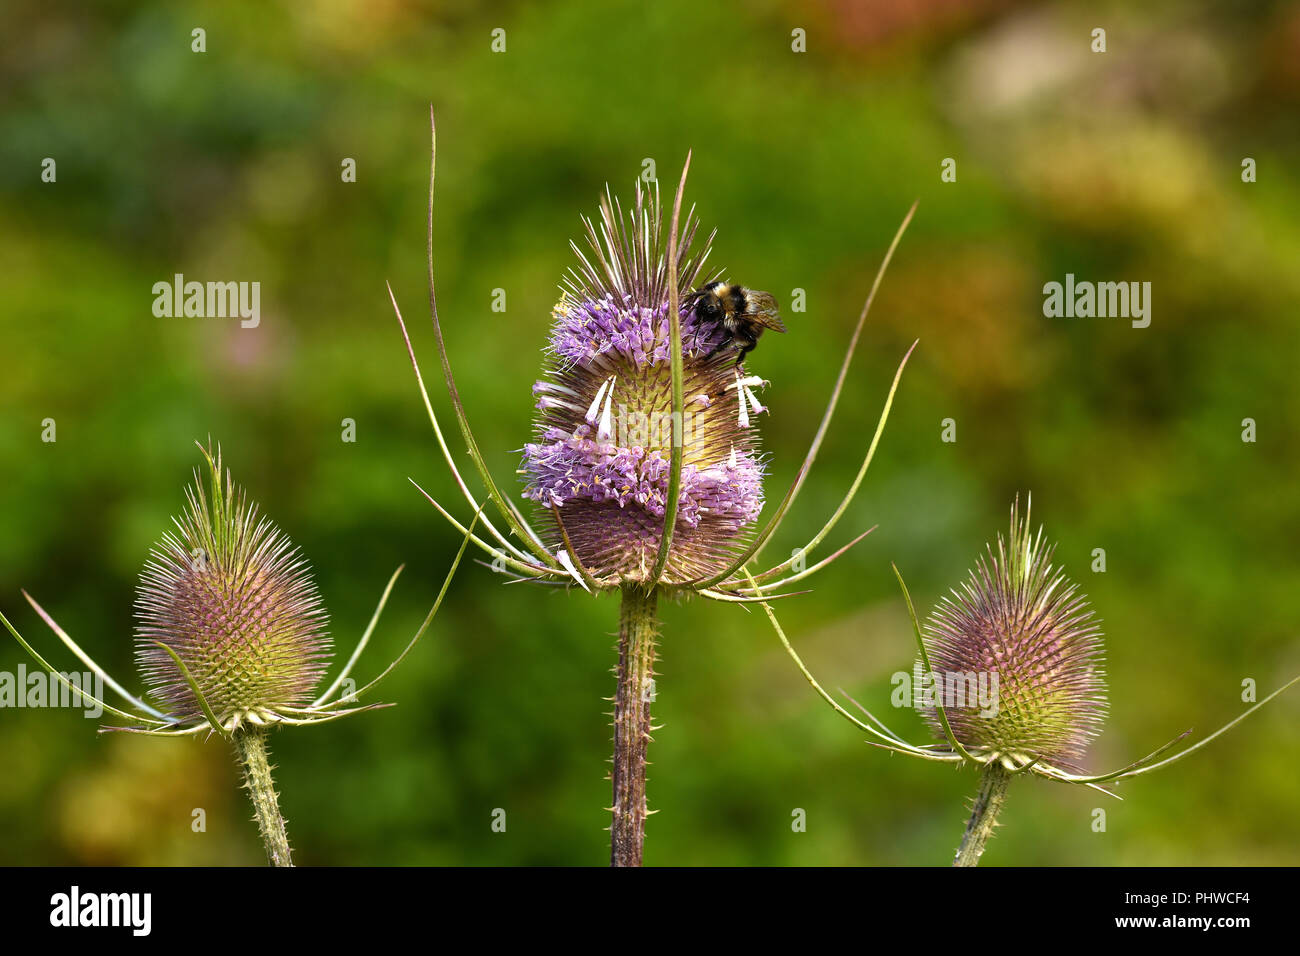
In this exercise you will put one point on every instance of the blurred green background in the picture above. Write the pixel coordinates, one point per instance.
(226, 165)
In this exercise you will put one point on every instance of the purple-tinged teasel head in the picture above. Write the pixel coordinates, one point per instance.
(229, 593)
(604, 426)
(1021, 619)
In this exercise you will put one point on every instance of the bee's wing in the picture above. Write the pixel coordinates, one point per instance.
(765, 312)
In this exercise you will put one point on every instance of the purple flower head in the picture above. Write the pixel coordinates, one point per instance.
(620, 328)
(1019, 619)
(600, 461)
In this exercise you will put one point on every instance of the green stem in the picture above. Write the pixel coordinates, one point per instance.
(250, 747)
(636, 658)
(984, 815)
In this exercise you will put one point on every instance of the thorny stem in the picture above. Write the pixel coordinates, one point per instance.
(250, 747)
(636, 658)
(984, 815)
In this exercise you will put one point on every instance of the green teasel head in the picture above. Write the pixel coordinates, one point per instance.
(1021, 624)
(1017, 626)
(231, 639)
(228, 595)
(231, 632)
(1023, 629)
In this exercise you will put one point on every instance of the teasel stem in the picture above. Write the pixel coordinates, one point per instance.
(636, 658)
(984, 815)
(250, 747)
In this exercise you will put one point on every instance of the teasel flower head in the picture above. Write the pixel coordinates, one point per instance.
(1021, 625)
(1021, 638)
(645, 468)
(228, 594)
(231, 639)
(231, 631)
(600, 464)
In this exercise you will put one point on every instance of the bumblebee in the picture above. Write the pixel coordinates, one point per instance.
(742, 313)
